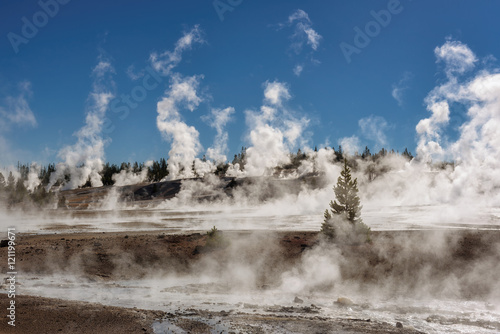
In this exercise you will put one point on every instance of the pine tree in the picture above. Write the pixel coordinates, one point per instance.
(11, 182)
(407, 154)
(2, 182)
(366, 153)
(339, 154)
(344, 218)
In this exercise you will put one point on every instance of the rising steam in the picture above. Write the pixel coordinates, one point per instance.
(476, 151)
(84, 160)
(185, 143)
(274, 132)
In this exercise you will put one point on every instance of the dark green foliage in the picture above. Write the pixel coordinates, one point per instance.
(295, 160)
(327, 227)
(41, 197)
(298, 158)
(87, 184)
(136, 167)
(107, 174)
(407, 154)
(241, 158)
(344, 218)
(221, 169)
(18, 194)
(3, 184)
(125, 166)
(366, 153)
(45, 173)
(339, 154)
(193, 168)
(215, 239)
(14, 192)
(157, 171)
(346, 192)
(11, 182)
(382, 153)
(24, 170)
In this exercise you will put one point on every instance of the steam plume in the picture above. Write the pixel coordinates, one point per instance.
(84, 160)
(218, 119)
(274, 132)
(185, 143)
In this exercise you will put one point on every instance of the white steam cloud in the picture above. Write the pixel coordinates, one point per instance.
(182, 93)
(84, 160)
(476, 151)
(303, 31)
(128, 177)
(297, 70)
(185, 143)
(17, 110)
(33, 180)
(457, 57)
(218, 120)
(168, 60)
(350, 144)
(373, 128)
(303, 34)
(399, 88)
(274, 132)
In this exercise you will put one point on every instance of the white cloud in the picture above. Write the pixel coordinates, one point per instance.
(373, 128)
(103, 67)
(476, 150)
(303, 31)
(297, 70)
(293, 129)
(400, 87)
(313, 37)
(458, 58)
(274, 132)
(17, 110)
(303, 34)
(275, 93)
(183, 94)
(166, 61)
(185, 143)
(267, 150)
(132, 74)
(350, 145)
(84, 160)
(298, 15)
(218, 119)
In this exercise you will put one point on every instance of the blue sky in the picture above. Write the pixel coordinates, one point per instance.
(375, 98)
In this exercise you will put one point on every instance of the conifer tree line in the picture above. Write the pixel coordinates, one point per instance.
(13, 188)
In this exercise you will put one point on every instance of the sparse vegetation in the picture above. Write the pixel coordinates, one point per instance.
(18, 188)
(215, 239)
(343, 222)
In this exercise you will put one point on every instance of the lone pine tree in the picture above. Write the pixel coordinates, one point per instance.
(344, 218)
